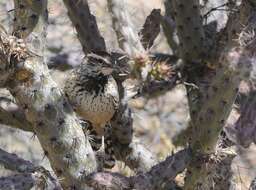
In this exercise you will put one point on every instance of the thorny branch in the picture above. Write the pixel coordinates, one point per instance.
(153, 179)
(129, 40)
(234, 64)
(12, 115)
(30, 176)
(52, 118)
(169, 27)
(86, 26)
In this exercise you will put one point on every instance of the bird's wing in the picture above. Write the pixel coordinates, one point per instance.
(112, 91)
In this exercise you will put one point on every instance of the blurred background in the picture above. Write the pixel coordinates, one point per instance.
(156, 120)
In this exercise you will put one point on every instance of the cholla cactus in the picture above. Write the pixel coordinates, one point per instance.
(210, 63)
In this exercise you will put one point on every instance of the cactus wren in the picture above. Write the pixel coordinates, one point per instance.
(93, 93)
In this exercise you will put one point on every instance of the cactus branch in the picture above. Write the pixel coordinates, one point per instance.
(14, 163)
(24, 181)
(46, 107)
(12, 115)
(128, 39)
(169, 28)
(216, 172)
(153, 179)
(244, 130)
(30, 22)
(189, 29)
(31, 176)
(54, 123)
(150, 29)
(132, 153)
(86, 26)
(235, 65)
(206, 128)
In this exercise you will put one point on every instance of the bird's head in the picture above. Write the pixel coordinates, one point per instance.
(100, 64)
(94, 72)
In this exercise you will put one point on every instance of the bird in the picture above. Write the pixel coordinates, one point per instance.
(93, 94)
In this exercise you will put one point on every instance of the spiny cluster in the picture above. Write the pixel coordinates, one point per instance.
(12, 52)
(155, 69)
(12, 47)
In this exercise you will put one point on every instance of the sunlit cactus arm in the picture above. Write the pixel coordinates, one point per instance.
(236, 63)
(30, 22)
(128, 39)
(55, 125)
(213, 115)
(232, 49)
(46, 107)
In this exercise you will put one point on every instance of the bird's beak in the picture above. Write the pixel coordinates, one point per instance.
(107, 70)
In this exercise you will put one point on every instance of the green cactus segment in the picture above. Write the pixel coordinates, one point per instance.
(235, 65)
(189, 29)
(218, 99)
(30, 22)
(55, 125)
(204, 131)
(218, 103)
(86, 26)
(215, 105)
